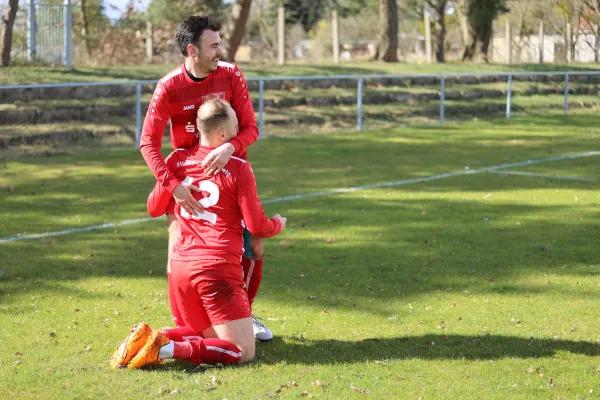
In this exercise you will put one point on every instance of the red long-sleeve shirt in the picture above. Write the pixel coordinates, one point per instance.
(177, 98)
(230, 203)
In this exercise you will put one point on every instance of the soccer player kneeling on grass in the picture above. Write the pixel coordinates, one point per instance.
(177, 97)
(205, 277)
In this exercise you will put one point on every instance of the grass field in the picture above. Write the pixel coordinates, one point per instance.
(41, 74)
(455, 281)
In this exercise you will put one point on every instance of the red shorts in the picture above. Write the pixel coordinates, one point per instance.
(207, 293)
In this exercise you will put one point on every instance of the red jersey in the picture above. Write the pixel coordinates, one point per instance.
(230, 203)
(177, 98)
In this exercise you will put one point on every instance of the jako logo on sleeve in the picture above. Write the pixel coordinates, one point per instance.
(189, 107)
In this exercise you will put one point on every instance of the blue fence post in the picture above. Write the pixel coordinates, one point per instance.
(261, 108)
(442, 98)
(566, 94)
(508, 96)
(138, 114)
(359, 98)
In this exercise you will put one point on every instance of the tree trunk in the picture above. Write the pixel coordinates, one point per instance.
(239, 27)
(597, 29)
(480, 17)
(471, 44)
(85, 28)
(6, 32)
(485, 42)
(462, 20)
(440, 31)
(388, 37)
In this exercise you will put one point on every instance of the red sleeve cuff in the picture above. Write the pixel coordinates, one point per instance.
(237, 145)
(277, 226)
(171, 184)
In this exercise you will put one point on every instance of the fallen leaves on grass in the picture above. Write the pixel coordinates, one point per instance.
(428, 263)
(300, 339)
(359, 389)
(286, 243)
(286, 385)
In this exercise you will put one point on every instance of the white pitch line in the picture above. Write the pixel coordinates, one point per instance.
(324, 193)
(545, 176)
(76, 230)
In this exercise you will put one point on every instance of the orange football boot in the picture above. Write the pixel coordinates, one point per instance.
(149, 353)
(132, 344)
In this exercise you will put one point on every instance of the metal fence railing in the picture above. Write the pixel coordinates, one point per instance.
(360, 79)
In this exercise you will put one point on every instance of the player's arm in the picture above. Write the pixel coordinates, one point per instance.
(158, 201)
(160, 198)
(248, 131)
(254, 216)
(153, 131)
(242, 105)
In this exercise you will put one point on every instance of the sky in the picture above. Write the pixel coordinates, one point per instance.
(118, 6)
(115, 8)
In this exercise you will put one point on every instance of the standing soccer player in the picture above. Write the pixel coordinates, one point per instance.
(177, 97)
(206, 278)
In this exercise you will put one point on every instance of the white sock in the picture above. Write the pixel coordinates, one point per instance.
(166, 351)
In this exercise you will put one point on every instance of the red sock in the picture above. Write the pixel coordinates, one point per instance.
(182, 350)
(181, 334)
(207, 351)
(252, 276)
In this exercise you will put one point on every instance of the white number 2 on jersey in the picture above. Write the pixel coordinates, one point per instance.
(213, 190)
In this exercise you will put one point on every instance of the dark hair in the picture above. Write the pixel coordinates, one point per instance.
(212, 114)
(191, 28)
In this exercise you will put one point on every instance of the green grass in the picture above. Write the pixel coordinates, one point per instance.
(36, 74)
(478, 286)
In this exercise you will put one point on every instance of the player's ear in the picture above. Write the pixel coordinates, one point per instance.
(191, 50)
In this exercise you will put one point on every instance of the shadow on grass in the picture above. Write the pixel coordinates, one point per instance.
(293, 350)
(427, 347)
(556, 67)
